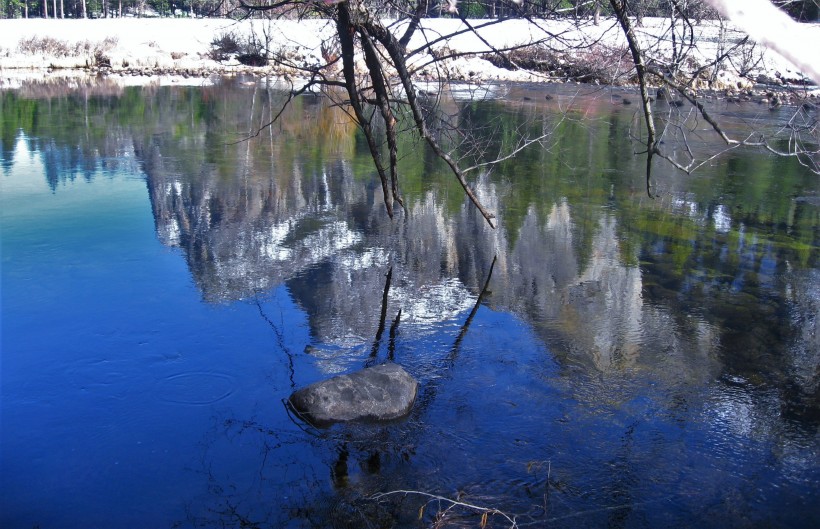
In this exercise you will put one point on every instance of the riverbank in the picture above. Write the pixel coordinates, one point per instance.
(136, 51)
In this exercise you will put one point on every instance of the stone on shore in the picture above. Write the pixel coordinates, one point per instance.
(379, 393)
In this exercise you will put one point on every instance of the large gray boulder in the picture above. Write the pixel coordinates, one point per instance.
(379, 393)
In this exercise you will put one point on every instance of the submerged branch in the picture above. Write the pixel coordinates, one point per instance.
(464, 328)
(383, 315)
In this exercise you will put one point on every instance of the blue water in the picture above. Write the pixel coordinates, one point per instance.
(112, 365)
(134, 396)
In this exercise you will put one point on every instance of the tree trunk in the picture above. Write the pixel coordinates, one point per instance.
(620, 9)
(85, 13)
(346, 28)
(45, 8)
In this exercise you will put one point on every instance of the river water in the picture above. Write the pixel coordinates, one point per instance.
(633, 360)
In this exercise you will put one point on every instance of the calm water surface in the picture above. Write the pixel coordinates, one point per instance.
(634, 361)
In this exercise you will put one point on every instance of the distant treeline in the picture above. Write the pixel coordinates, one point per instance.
(803, 10)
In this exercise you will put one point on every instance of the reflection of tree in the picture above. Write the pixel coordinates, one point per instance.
(93, 134)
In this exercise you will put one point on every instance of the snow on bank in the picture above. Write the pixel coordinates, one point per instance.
(771, 26)
(136, 48)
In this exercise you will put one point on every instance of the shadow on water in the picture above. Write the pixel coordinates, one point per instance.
(601, 358)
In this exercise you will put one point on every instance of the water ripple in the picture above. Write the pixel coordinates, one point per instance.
(196, 388)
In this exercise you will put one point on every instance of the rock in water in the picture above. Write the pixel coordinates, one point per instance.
(377, 393)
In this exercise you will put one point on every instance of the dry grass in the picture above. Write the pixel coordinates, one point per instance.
(51, 46)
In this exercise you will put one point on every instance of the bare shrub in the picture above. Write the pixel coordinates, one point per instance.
(330, 50)
(255, 49)
(597, 63)
(83, 47)
(223, 46)
(250, 51)
(61, 48)
(44, 45)
(748, 59)
(101, 60)
(101, 50)
(252, 59)
(109, 42)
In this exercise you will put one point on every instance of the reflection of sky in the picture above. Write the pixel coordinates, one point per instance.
(32, 214)
(28, 177)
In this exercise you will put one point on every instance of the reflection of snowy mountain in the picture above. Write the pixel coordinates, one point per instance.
(318, 228)
(326, 237)
(323, 236)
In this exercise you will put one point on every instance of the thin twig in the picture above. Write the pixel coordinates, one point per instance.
(453, 503)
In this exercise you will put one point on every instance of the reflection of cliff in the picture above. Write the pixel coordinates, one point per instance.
(593, 313)
(323, 233)
(243, 239)
(604, 303)
(254, 215)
